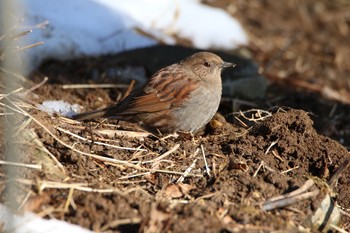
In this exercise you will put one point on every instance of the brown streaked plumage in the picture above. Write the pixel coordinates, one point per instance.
(180, 97)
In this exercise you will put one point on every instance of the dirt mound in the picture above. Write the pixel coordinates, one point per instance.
(109, 179)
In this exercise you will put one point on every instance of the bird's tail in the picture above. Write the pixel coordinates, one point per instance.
(90, 115)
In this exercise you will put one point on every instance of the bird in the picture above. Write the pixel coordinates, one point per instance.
(180, 97)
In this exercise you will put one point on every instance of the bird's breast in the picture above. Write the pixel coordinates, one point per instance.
(198, 109)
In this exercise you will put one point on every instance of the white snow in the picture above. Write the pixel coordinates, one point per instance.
(207, 27)
(96, 27)
(78, 28)
(59, 106)
(31, 223)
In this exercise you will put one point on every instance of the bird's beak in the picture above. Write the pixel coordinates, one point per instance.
(227, 64)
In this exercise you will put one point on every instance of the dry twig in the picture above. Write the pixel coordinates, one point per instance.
(205, 161)
(291, 198)
(189, 169)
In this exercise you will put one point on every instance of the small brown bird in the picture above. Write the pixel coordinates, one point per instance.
(180, 97)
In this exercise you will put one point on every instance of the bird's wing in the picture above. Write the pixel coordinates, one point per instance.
(168, 88)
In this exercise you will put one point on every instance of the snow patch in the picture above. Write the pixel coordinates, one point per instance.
(59, 106)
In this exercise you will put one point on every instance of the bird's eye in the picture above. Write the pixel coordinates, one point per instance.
(206, 64)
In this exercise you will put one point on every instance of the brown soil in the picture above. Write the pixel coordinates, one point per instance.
(249, 162)
(242, 174)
